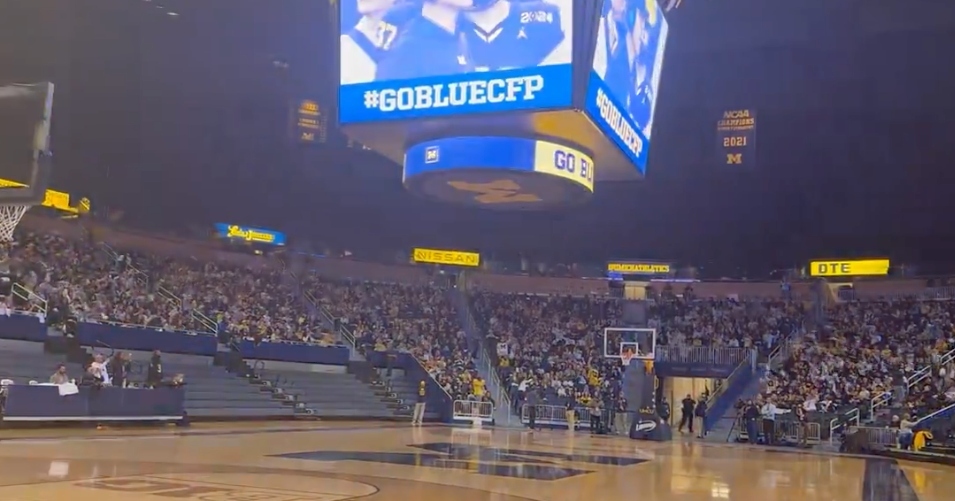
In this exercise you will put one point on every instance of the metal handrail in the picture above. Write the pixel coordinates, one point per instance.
(737, 372)
(142, 326)
(936, 413)
(710, 355)
(503, 397)
(36, 303)
(205, 320)
(838, 422)
(168, 294)
(917, 377)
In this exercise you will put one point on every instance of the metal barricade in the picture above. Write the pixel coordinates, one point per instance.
(787, 430)
(703, 355)
(793, 431)
(888, 437)
(471, 410)
(556, 415)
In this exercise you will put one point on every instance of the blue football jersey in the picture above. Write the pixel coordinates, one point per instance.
(527, 35)
(641, 105)
(420, 48)
(620, 74)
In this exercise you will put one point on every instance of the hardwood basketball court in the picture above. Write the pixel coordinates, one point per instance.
(336, 462)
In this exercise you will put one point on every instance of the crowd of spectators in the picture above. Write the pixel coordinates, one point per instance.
(549, 342)
(415, 319)
(871, 350)
(74, 276)
(863, 350)
(557, 342)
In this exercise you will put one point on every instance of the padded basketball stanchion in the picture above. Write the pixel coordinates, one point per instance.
(646, 423)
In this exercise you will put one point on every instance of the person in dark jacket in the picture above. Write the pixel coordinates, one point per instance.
(751, 420)
(154, 372)
(700, 414)
(664, 410)
(532, 401)
(686, 413)
(119, 369)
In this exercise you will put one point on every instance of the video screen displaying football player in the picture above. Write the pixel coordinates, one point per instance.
(362, 44)
(505, 34)
(429, 42)
(626, 56)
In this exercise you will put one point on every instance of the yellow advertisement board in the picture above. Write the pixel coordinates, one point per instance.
(54, 199)
(849, 267)
(448, 257)
(638, 268)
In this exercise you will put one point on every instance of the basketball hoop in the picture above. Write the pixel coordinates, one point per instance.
(10, 216)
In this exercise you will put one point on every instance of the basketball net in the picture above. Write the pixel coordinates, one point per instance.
(10, 216)
(626, 357)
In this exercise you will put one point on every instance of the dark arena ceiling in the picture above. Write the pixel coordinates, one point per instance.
(176, 112)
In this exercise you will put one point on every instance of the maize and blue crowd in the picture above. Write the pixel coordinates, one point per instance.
(860, 350)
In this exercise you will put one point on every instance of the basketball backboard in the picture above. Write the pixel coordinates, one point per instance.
(25, 157)
(639, 342)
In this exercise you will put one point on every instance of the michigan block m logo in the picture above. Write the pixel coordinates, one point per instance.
(502, 191)
(734, 158)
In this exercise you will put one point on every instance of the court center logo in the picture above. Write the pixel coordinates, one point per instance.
(491, 461)
(501, 191)
(225, 487)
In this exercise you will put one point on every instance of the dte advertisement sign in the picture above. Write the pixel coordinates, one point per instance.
(627, 65)
(849, 268)
(404, 59)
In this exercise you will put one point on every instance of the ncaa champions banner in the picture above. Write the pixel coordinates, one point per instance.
(309, 122)
(736, 138)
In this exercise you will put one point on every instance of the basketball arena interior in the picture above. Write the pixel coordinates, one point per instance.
(489, 250)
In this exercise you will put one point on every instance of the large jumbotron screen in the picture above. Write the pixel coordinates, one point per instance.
(628, 62)
(407, 59)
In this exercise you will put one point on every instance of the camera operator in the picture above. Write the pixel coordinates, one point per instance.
(751, 415)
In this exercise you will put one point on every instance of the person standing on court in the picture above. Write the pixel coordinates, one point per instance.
(769, 412)
(595, 412)
(570, 413)
(751, 418)
(686, 413)
(620, 417)
(531, 401)
(803, 417)
(418, 416)
(700, 413)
